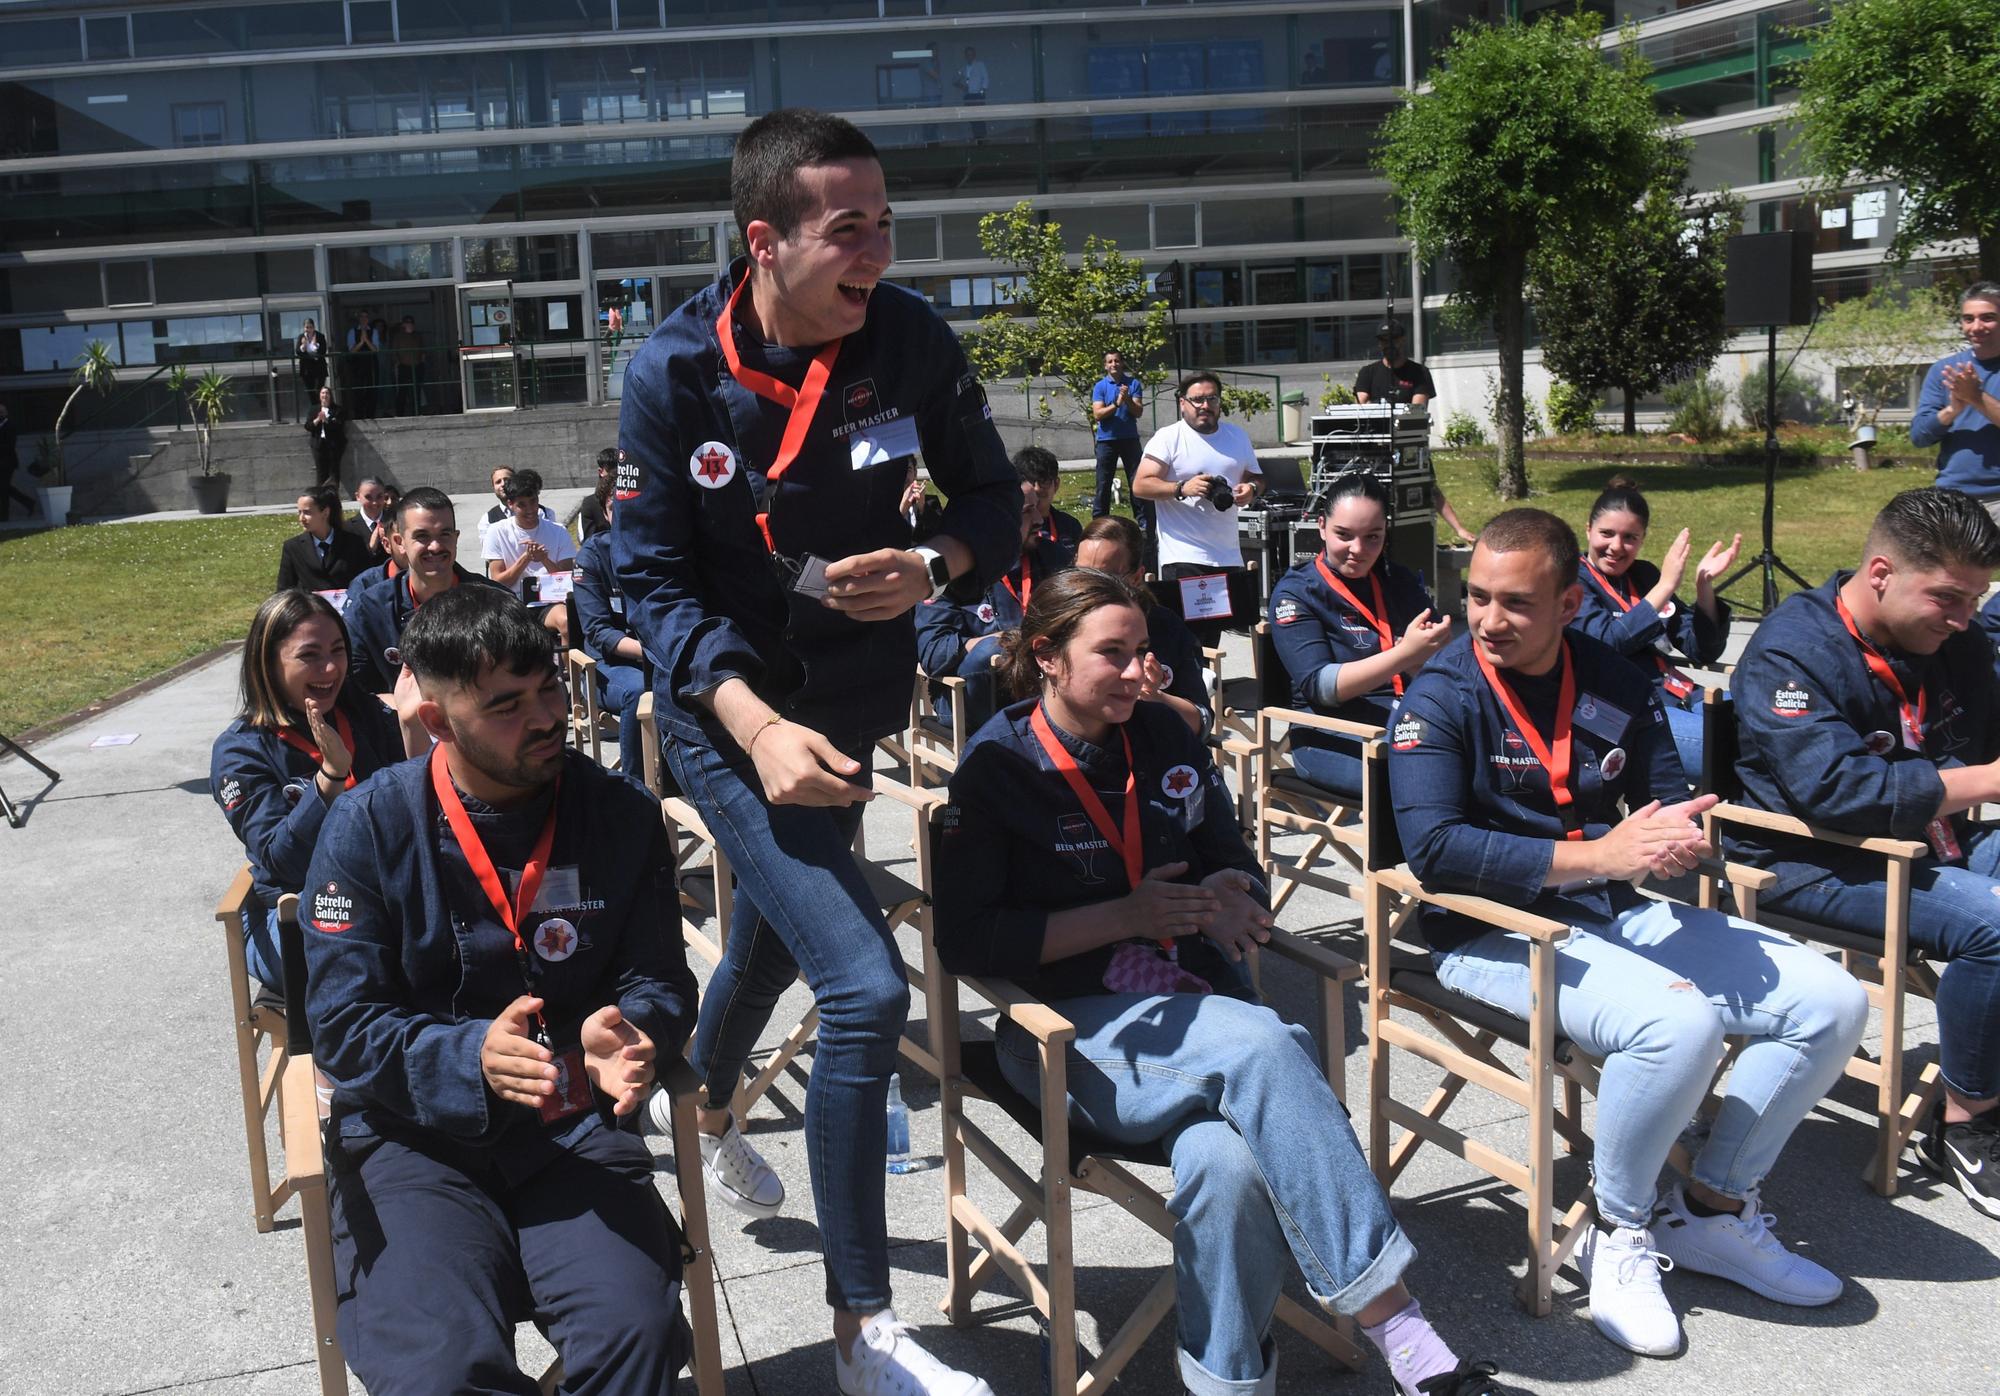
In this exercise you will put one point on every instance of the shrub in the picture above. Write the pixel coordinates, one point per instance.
(1244, 402)
(1799, 397)
(1572, 411)
(1531, 418)
(1462, 432)
(1334, 394)
(1697, 408)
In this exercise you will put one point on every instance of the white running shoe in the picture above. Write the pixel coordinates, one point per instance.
(888, 1362)
(1743, 1249)
(1626, 1301)
(739, 1175)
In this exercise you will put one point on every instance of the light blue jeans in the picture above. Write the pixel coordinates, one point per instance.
(982, 685)
(1264, 1157)
(1652, 993)
(1685, 726)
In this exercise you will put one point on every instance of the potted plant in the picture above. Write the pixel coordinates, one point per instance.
(95, 372)
(208, 403)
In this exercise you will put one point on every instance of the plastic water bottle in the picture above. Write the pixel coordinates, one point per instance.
(899, 1128)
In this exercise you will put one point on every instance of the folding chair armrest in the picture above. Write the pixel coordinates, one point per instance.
(1338, 726)
(579, 660)
(299, 1125)
(1311, 955)
(1495, 914)
(229, 911)
(1906, 849)
(1737, 874)
(922, 801)
(679, 1079)
(1023, 1009)
(1235, 746)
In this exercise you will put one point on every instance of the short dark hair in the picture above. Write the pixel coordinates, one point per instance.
(1037, 465)
(1931, 528)
(1534, 530)
(1121, 533)
(325, 498)
(770, 152)
(366, 480)
(523, 484)
(1361, 484)
(428, 498)
(1621, 495)
(1198, 376)
(458, 636)
(1980, 291)
(607, 459)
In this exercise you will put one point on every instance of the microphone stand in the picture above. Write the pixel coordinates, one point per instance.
(8, 744)
(1768, 561)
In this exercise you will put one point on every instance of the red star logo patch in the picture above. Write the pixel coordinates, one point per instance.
(714, 464)
(1178, 781)
(554, 941)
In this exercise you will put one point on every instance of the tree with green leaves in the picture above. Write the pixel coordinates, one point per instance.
(1062, 316)
(1527, 145)
(96, 372)
(1905, 90)
(1642, 305)
(1881, 340)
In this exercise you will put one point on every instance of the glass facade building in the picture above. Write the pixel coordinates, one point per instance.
(534, 182)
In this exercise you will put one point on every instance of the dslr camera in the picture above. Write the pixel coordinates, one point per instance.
(1218, 493)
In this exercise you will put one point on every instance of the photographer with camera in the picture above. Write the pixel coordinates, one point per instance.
(1200, 470)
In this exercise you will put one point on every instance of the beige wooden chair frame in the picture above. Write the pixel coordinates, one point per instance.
(585, 717)
(934, 745)
(1289, 804)
(258, 1026)
(979, 1249)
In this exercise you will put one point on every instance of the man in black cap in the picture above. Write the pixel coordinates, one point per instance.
(1397, 378)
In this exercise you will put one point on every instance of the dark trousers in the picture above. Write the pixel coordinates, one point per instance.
(9, 492)
(326, 461)
(437, 1254)
(1111, 455)
(409, 396)
(361, 384)
(1208, 632)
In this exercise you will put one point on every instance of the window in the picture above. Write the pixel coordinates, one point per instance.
(638, 14)
(30, 42)
(200, 123)
(371, 22)
(128, 283)
(399, 261)
(917, 238)
(1176, 225)
(107, 37)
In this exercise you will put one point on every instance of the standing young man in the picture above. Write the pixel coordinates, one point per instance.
(1189, 467)
(494, 968)
(1959, 408)
(768, 427)
(1115, 404)
(1867, 707)
(1509, 758)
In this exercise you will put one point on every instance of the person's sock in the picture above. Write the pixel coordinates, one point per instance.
(1412, 1347)
(1701, 1209)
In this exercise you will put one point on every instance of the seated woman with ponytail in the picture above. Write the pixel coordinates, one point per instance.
(304, 735)
(1350, 626)
(1630, 605)
(1096, 861)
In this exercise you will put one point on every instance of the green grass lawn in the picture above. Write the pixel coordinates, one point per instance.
(87, 611)
(1822, 513)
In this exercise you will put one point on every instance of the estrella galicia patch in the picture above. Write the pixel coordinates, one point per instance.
(1789, 700)
(626, 484)
(1407, 733)
(1286, 611)
(332, 910)
(231, 794)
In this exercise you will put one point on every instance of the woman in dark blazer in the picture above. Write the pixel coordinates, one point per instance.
(321, 556)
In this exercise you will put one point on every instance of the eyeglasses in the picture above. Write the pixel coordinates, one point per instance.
(1207, 401)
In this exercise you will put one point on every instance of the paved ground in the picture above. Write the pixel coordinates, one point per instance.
(128, 1262)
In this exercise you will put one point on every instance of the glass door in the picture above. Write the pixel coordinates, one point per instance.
(487, 352)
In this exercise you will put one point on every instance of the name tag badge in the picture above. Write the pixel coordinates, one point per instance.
(1602, 719)
(883, 442)
(617, 604)
(561, 888)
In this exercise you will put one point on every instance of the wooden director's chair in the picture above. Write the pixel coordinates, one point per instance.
(580, 677)
(305, 1179)
(706, 891)
(934, 745)
(1462, 1041)
(1071, 1158)
(1887, 965)
(1288, 803)
(260, 1026)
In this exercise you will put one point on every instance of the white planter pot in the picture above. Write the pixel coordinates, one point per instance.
(55, 503)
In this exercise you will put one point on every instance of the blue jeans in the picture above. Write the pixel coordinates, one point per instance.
(1685, 725)
(1110, 456)
(982, 685)
(1337, 768)
(1954, 916)
(622, 686)
(261, 954)
(803, 905)
(1652, 993)
(1264, 1157)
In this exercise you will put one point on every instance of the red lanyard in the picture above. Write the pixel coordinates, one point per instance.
(1555, 758)
(1027, 586)
(1128, 841)
(1913, 718)
(803, 401)
(296, 742)
(1379, 617)
(1677, 683)
(511, 913)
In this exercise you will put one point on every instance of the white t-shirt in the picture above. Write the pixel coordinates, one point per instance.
(1193, 530)
(506, 540)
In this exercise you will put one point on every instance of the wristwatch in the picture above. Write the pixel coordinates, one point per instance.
(940, 570)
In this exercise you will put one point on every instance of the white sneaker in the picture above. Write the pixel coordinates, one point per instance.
(1742, 1249)
(738, 1174)
(1626, 1301)
(888, 1362)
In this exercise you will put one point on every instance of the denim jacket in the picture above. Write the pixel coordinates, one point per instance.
(1311, 627)
(703, 592)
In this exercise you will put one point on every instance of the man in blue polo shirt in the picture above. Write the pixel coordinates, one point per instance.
(1115, 405)
(1959, 408)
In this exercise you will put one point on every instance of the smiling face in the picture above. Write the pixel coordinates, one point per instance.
(426, 543)
(1918, 610)
(1097, 676)
(526, 509)
(1979, 320)
(372, 498)
(501, 476)
(508, 727)
(312, 663)
(1616, 535)
(1516, 607)
(1354, 531)
(812, 287)
(1114, 365)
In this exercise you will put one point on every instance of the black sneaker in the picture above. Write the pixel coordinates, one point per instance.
(1966, 1154)
(1471, 1379)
